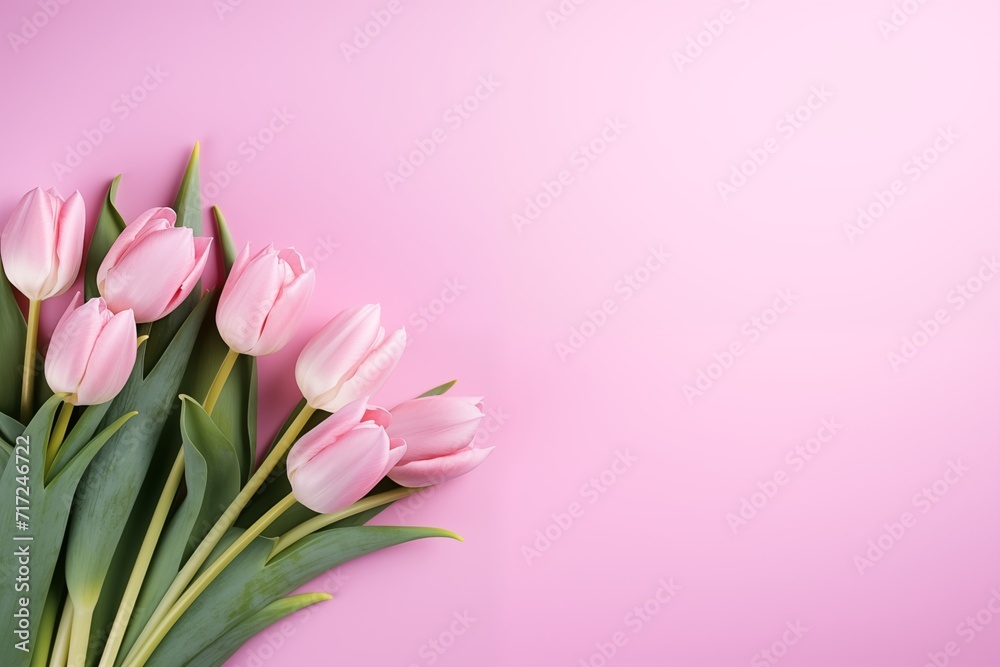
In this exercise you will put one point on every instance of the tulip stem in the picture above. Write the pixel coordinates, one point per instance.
(58, 434)
(60, 650)
(323, 520)
(79, 636)
(46, 629)
(156, 524)
(220, 380)
(204, 549)
(206, 578)
(30, 345)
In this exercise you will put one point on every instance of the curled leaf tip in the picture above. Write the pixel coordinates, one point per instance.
(141, 339)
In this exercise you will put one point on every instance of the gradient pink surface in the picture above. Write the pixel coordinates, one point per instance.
(879, 543)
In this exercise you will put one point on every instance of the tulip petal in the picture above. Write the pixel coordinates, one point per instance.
(344, 472)
(286, 314)
(153, 220)
(70, 230)
(110, 362)
(27, 244)
(434, 471)
(334, 352)
(325, 433)
(131, 283)
(201, 254)
(397, 449)
(246, 302)
(373, 371)
(436, 425)
(72, 344)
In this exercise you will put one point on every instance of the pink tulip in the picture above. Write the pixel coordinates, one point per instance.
(263, 300)
(439, 433)
(152, 266)
(350, 358)
(343, 458)
(42, 245)
(91, 353)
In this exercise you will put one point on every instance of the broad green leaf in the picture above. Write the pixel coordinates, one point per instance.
(12, 334)
(113, 482)
(50, 506)
(226, 645)
(211, 475)
(251, 582)
(438, 390)
(10, 428)
(5, 451)
(110, 224)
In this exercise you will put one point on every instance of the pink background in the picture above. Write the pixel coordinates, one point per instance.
(319, 184)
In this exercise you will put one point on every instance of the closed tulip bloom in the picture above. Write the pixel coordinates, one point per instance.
(263, 301)
(42, 244)
(91, 353)
(343, 458)
(152, 266)
(439, 433)
(350, 358)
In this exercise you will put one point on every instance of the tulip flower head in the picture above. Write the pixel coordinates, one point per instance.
(91, 353)
(343, 458)
(350, 358)
(152, 266)
(439, 432)
(263, 301)
(42, 244)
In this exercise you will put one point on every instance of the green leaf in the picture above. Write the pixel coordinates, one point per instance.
(12, 334)
(109, 225)
(49, 511)
(438, 390)
(113, 482)
(80, 435)
(211, 475)
(10, 428)
(226, 645)
(251, 582)
(225, 239)
(187, 203)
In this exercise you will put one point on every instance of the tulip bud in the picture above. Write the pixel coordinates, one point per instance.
(42, 244)
(343, 458)
(263, 300)
(152, 266)
(350, 358)
(91, 353)
(439, 433)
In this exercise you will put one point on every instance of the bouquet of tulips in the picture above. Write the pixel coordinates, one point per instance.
(137, 527)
